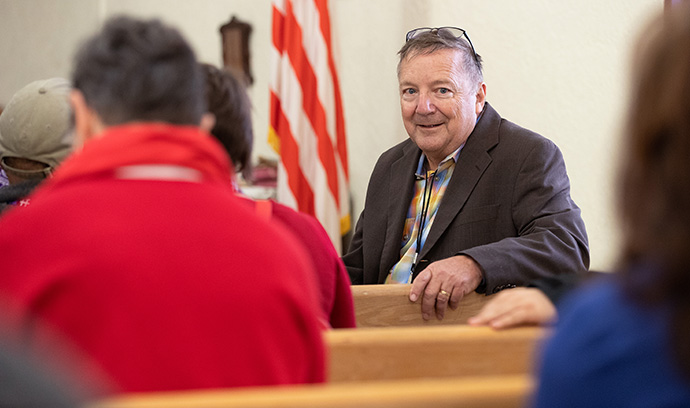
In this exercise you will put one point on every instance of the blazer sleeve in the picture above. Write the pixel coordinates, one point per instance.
(551, 236)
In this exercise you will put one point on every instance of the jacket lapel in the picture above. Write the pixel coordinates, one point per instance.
(472, 162)
(399, 197)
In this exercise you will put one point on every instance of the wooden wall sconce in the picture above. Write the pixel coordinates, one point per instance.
(235, 36)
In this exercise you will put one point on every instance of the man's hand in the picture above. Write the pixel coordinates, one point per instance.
(516, 307)
(445, 282)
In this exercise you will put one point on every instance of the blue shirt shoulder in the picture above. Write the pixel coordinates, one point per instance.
(608, 351)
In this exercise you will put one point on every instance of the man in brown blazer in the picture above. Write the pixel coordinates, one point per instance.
(491, 199)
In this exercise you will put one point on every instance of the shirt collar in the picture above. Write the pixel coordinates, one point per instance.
(453, 156)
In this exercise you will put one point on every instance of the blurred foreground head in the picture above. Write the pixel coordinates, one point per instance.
(138, 71)
(654, 192)
(655, 179)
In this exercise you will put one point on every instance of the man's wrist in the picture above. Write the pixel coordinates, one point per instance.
(481, 287)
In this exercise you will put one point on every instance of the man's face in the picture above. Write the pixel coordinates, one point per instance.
(439, 104)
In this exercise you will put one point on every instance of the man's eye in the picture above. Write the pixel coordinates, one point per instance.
(443, 91)
(409, 91)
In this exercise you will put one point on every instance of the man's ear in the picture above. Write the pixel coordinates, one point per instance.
(481, 98)
(208, 121)
(87, 124)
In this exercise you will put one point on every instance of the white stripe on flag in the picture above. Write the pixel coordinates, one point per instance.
(316, 148)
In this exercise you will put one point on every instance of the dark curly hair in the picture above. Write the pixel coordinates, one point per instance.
(227, 99)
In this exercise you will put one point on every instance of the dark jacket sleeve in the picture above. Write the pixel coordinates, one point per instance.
(551, 236)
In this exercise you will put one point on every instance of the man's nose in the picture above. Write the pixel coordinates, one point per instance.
(425, 104)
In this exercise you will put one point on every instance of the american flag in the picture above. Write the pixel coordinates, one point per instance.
(307, 126)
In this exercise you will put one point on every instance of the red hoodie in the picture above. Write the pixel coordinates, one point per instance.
(140, 254)
(334, 282)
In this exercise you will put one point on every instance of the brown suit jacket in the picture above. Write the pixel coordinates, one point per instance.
(507, 206)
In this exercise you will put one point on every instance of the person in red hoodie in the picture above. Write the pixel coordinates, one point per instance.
(138, 251)
(229, 103)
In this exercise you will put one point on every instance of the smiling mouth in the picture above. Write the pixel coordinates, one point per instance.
(430, 126)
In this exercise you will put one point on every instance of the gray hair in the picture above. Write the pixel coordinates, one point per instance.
(428, 43)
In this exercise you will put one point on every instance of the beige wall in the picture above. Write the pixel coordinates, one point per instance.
(556, 67)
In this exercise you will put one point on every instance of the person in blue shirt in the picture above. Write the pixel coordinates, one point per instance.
(625, 342)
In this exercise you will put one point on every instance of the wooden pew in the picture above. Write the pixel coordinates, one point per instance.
(393, 353)
(484, 392)
(389, 305)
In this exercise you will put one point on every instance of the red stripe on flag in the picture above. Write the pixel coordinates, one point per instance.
(322, 6)
(278, 27)
(310, 102)
(289, 152)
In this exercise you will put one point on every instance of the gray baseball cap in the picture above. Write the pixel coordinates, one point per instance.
(37, 123)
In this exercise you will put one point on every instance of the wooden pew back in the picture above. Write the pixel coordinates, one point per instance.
(389, 305)
(447, 365)
(392, 353)
(485, 392)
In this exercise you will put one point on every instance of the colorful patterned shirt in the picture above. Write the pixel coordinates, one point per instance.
(430, 187)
